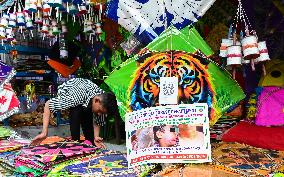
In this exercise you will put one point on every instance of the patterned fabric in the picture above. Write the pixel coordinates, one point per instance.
(106, 165)
(11, 145)
(270, 97)
(9, 157)
(197, 171)
(39, 160)
(247, 160)
(74, 92)
(251, 107)
(221, 126)
(102, 163)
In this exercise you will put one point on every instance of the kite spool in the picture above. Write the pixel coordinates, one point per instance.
(4, 21)
(98, 28)
(45, 28)
(263, 55)
(9, 32)
(82, 9)
(234, 55)
(250, 49)
(20, 19)
(2, 33)
(63, 27)
(12, 20)
(263, 52)
(224, 46)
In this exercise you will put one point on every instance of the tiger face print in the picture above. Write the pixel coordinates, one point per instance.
(193, 79)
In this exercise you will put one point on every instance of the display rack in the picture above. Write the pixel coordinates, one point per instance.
(43, 52)
(23, 49)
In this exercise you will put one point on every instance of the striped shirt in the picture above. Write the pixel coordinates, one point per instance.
(74, 92)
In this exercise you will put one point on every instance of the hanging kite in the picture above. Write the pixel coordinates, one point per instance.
(9, 103)
(149, 18)
(200, 80)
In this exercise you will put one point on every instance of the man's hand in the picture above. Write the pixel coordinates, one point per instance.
(99, 142)
(38, 139)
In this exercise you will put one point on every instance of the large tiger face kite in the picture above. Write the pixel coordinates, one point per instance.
(191, 70)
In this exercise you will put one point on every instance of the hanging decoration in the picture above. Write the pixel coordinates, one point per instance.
(45, 17)
(242, 45)
(6, 4)
(215, 86)
(148, 19)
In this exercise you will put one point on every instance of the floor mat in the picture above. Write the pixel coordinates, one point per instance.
(248, 160)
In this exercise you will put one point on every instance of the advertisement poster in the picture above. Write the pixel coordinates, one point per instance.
(168, 134)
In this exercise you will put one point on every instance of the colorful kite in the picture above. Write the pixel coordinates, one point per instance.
(9, 103)
(200, 80)
(147, 19)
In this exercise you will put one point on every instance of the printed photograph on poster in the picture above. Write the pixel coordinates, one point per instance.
(169, 134)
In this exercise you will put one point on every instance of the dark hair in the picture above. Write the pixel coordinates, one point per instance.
(156, 129)
(108, 101)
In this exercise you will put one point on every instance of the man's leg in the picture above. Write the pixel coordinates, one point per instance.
(87, 124)
(76, 113)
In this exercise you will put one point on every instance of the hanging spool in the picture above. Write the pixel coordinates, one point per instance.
(46, 8)
(57, 3)
(12, 16)
(32, 6)
(20, 19)
(27, 6)
(224, 46)
(250, 49)
(38, 18)
(44, 29)
(50, 34)
(12, 24)
(88, 27)
(63, 8)
(39, 4)
(264, 56)
(234, 55)
(73, 10)
(50, 3)
(2, 33)
(45, 14)
(55, 30)
(29, 23)
(10, 35)
(263, 52)
(82, 9)
(4, 21)
(12, 20)
(63, 27)
(98, 28)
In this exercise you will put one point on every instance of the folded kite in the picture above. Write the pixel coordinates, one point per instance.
(65, 70)
(38, 160)
(9, 103)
